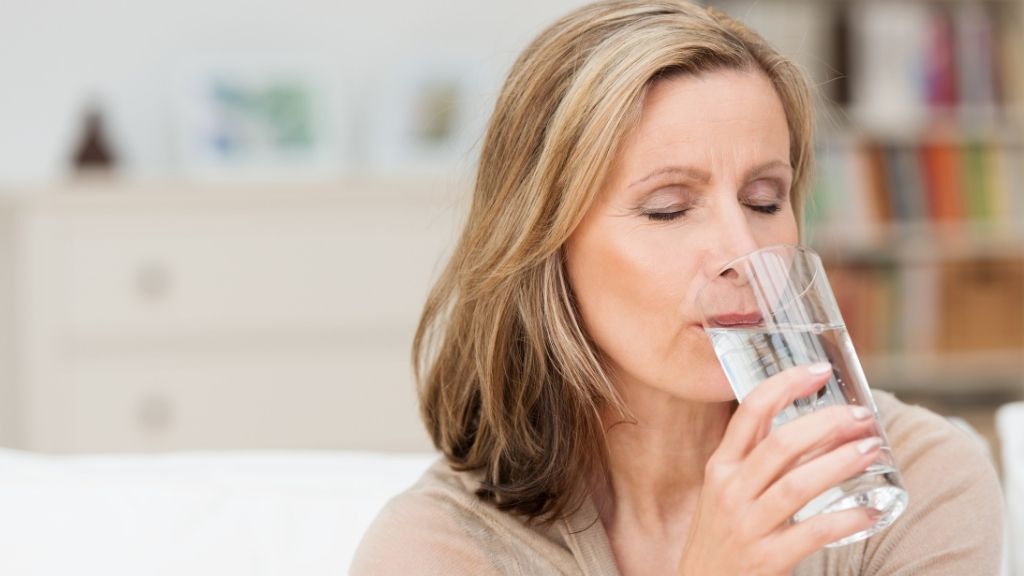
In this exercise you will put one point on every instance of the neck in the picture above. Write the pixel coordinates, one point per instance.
(656, 464)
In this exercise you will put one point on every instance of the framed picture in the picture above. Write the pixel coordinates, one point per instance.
(428, 118)
(259, 118)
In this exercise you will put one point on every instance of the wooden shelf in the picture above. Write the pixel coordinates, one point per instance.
(990, 371)
(920, 242)
(1002, 129)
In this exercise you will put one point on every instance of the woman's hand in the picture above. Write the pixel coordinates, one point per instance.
(759, 477)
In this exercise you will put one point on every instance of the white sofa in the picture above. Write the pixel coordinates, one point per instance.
(255, 513)
(195, 514)
(1010, 426)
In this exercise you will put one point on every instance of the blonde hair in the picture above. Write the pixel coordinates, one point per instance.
(510, 384)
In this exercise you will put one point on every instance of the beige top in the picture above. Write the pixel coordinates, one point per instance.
(952, 525)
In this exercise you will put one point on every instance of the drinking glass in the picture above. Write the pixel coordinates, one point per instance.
(774, 309)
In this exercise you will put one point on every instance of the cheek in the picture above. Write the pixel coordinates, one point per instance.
(632, 294)
(618, 285)
(628, 287)
(779, 229)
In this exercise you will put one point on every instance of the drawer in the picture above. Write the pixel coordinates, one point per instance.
(365, 402)
(137, 272)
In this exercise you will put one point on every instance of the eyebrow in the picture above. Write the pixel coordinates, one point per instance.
(703, 176)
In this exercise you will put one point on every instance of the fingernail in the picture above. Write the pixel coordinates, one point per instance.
(868, 444)
(874, 513)
(820, 368)
(860, 413)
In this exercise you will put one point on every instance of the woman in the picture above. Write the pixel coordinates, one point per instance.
(586, 425)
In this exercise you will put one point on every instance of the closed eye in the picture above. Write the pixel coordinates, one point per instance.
(665, 216)
(766, 208)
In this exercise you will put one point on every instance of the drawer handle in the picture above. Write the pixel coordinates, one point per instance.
(153, 281)
(156, 414)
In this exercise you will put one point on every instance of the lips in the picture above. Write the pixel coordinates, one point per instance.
(734, 319)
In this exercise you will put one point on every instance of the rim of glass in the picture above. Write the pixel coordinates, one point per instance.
(796, 248)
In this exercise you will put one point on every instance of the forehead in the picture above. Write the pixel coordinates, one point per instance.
(735, 114)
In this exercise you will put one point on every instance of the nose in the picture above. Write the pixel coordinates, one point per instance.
(733, 238)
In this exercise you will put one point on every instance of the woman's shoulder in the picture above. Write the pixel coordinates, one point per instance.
(922, 435)
(440, 526)
(423, 529)
(953, 522)
(942, 464)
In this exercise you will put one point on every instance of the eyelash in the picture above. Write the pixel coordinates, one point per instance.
(768, 209)
(665, 216)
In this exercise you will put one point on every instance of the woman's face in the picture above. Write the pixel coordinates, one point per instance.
(703, 178)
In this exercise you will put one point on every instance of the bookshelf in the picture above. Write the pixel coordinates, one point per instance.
(918, 206)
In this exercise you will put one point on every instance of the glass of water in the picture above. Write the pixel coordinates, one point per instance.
(774, 309)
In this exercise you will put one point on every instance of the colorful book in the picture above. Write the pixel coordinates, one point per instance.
(942, 180)
(975, 55)
(998, 187)
(940, 64)
(877, 173)
(975, 182)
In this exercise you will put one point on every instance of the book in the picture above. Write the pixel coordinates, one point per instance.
(940, 60)
(919, 309)
(975, 191)
(878, 181)
(975, 56)
(981, 306)
(999, 204)
(911, 182)
(1008, 53)
(942, 169)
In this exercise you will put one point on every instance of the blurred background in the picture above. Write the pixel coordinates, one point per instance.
(219, 220)
(919, 200)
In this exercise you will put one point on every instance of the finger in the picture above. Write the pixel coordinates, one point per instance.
(871, 428)
(753, 419)
(807, 537)
(799, 486)
(789, 445)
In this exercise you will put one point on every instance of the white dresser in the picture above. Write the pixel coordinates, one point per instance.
(141, 317)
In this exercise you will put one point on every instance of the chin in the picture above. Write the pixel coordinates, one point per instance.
(717, 388)
(712, 387)
(714, 384)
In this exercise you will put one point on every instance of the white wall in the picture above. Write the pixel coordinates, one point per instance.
(55, 55)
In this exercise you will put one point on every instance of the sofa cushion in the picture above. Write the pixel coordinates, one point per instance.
(216, 513)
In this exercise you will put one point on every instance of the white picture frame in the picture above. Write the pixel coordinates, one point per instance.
(427, 118)
(259, 118)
